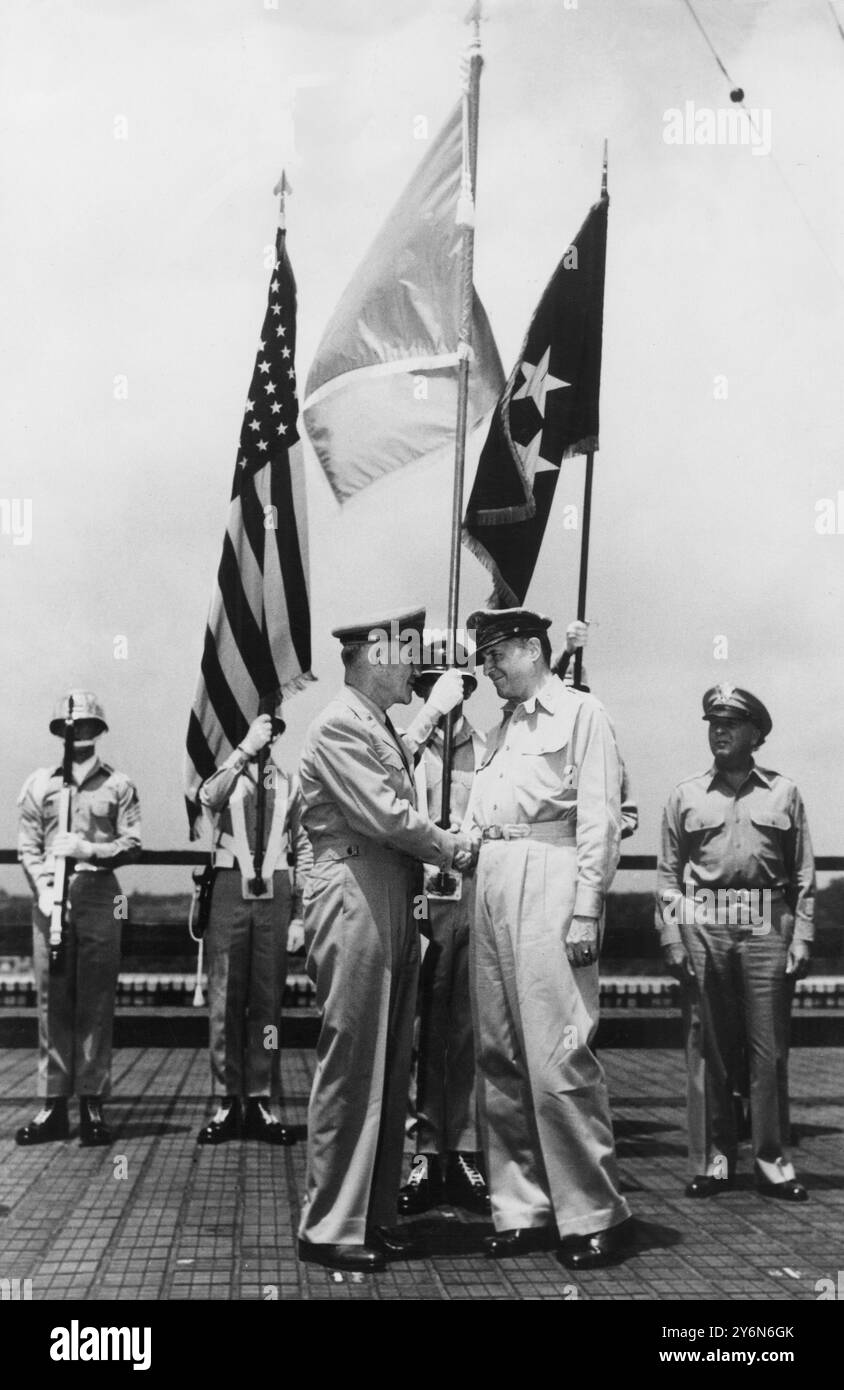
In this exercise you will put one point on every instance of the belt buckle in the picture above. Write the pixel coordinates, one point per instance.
(494, 832)
(249, 896)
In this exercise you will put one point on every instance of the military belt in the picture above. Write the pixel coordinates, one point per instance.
(549, 832)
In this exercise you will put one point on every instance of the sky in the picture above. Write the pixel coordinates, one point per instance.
(140, 145)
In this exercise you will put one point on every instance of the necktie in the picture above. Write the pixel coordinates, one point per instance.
(388, 721)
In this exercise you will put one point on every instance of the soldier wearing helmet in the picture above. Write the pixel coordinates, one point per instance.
(76, 1004)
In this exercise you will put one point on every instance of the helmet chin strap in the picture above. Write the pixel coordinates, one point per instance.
(83, 751)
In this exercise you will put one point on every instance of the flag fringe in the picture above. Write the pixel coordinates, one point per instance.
(502, 595)
(297, 683)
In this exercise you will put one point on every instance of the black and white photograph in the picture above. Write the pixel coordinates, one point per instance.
(422, 558)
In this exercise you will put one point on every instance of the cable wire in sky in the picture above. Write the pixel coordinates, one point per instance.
(737, 96)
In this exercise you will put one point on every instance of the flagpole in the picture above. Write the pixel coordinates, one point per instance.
(587, 516)
(466, 221)
(267, 700)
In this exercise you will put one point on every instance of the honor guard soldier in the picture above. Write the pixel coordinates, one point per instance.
(545, 807)
(252, 904)
(361, 814)
(735, 912)
(447, 1164)
(76, 981)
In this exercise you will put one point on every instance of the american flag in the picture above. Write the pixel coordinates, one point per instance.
(258, 635)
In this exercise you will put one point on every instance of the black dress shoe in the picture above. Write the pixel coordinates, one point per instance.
(788, 1191)
(600, 1249)
(225, 1124)
(525, 1241)
(260, 1123)
(396, 1242)
(93, 1130)
(51, 1123)
(345, 1257)
(424, 1187)
(707, 1185)
(466, 1185)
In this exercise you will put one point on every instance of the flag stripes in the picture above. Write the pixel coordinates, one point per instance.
(257, 639)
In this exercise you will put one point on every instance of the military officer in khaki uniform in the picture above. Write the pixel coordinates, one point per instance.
(735, 903)
(545, 807)
(247, 934)
(447, 1165)
(76, 1003)
(367, 836)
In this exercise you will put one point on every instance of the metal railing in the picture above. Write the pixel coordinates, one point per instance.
(824, 863)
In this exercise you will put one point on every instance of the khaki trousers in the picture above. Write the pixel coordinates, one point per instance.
(247, 970)
(741, 996)
(446, 1118)
(76, 1007)
(543, 1104)
(364, 960)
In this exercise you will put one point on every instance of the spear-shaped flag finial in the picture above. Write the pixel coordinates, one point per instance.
(282, 189)
(475, 16)
(604, 174)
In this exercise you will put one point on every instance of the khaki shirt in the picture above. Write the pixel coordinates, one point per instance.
(756, 837)
(104, 810)
(555, 759)
(357, 779)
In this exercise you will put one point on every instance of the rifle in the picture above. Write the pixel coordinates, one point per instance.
(61, 879)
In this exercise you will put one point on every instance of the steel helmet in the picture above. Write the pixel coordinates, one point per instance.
(438, 664)
(85, 706)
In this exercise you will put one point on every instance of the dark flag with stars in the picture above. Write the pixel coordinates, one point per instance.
(547, 412)
(258, 636)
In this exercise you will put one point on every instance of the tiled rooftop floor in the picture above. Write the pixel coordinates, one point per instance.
(155, 1217)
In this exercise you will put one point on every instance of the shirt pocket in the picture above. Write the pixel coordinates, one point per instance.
(102, 810)
(545, 764)
(771, 823)
(705, 825)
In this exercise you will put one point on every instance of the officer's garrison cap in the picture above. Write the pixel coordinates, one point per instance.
(728, 701)
(387, 626)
